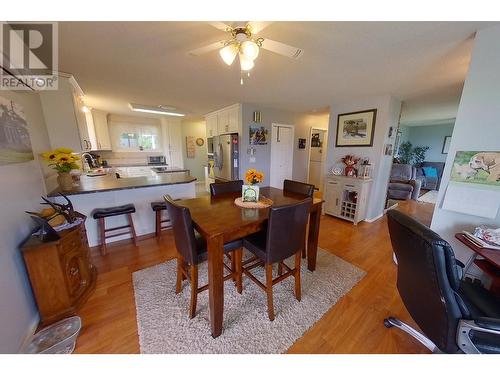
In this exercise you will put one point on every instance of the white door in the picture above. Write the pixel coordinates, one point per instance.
(281, 154)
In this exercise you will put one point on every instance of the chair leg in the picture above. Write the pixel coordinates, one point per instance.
(298, 292)
(304, 254)
(269, 291)
(102, 230)
(132, 229)
(280, 268)
(194, 290)
(238, 255)
(233, 267)
(158, 223)
(180, 266)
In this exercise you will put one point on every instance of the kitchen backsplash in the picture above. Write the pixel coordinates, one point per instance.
(126, 158)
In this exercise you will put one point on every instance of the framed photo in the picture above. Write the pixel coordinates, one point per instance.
(446, 144)
(258, 135)
(302, 143)
(388, 149)
(356, 129)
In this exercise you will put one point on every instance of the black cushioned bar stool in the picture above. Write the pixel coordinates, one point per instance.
(102, 213)
(158, 208)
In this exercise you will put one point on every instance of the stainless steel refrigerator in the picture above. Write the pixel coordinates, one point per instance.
(226, 157)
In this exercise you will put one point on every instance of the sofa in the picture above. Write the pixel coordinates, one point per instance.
(430, 182)
(403, 183)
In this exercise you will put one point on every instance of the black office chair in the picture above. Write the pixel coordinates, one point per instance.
(283, 237)
(455, 315)
(218, 188)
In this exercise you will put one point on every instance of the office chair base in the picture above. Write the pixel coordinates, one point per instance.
(393, 322)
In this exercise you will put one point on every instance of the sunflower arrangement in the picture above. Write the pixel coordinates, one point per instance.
(253, 177)
(61, 159)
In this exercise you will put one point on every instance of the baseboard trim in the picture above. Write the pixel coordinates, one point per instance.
(31, 332)
(374, 219)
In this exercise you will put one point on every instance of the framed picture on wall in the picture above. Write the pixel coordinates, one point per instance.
(446, 144)
(356, 129)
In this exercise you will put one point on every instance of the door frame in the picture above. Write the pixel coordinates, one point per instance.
(274, 129)
(323, 157)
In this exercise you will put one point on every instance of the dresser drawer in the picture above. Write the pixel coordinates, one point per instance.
(73, 241)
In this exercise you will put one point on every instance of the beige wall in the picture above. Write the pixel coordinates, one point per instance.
(20, 190)
(195, 129)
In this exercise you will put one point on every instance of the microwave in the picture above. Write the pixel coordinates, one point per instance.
(157, 160)
(210, 146)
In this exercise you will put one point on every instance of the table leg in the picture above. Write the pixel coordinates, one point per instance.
(312, 238)
(215, 249)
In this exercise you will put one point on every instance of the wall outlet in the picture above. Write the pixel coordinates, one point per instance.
(251, 159)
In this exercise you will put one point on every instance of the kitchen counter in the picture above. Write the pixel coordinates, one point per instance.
(109, 182)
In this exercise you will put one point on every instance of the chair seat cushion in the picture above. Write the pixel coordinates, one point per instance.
(201, 245)
(480, 301)
(400, 186)
(113, 211)
(256, 243)
(159, 206)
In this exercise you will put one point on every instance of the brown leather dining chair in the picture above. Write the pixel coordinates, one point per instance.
(283, 238)
(192, 250)
(297, 187)
(218, 188)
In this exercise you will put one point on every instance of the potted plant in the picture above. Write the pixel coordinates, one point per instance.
(63, 161)
(250, 191)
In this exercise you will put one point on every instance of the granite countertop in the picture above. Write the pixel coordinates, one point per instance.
(110, 182)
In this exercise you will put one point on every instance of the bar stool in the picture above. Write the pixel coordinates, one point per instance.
(158, 208)
(102, 213)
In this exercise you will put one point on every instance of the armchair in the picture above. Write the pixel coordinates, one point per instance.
(455, 316)
(403, 183)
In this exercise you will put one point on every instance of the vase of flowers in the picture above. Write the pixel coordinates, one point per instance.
(63, 161)
(250, 191)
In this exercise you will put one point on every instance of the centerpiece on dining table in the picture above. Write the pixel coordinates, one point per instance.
(250, 194)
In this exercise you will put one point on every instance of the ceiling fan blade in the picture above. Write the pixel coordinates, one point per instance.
(282, 49)
(208, 48)
(220, 25)
(257, 26)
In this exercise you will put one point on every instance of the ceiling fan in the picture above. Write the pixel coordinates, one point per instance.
(243, 41)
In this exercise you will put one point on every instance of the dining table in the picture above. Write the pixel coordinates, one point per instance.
(219, 220)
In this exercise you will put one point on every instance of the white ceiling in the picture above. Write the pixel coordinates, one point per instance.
(423, 63)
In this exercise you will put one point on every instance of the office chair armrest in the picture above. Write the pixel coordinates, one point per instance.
(482, 326)
(459, 263)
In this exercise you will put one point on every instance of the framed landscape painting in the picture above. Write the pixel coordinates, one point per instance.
(356, 129)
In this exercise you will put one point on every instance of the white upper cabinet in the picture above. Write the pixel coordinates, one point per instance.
(172, 135)
(100, 120)
(224, 121)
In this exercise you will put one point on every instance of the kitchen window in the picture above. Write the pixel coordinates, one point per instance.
(127, 137)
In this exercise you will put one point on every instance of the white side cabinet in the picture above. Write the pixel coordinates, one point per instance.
(346, 197)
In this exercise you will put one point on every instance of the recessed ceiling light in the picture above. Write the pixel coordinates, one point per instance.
(159, 110)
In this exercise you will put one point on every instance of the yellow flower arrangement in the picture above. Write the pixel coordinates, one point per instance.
(61, 159)
(253, 177)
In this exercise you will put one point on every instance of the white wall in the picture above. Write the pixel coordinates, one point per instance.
(304, 123)
(429, 135)
(476, 128)
(196, 166)
(20, 190)
(388, 110)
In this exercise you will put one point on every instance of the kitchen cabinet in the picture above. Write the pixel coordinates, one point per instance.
(224, 121)
(172, 136)
(347, 197)
(67, 124)
(100, 121)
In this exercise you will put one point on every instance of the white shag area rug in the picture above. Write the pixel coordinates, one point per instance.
(429, 197)
(164, 325)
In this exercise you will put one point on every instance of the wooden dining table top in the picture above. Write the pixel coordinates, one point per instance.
(219, 215)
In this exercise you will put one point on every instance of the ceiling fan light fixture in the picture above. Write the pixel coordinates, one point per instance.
(228, 53)
(246, 64)
(250, 49)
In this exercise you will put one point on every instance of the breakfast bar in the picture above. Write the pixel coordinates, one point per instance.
(108, 191)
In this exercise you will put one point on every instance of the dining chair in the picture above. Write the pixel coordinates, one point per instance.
(283, 237)
(218, 188)
(297, 187)
(192, 250)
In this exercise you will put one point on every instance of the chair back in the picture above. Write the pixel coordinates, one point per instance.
(218, 188)
(298, 187)
(286, 230)
(428, 279)
(182, 226)
(403, 172)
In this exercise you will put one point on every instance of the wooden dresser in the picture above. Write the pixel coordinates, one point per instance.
(61, 274)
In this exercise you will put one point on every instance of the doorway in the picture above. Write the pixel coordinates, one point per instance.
(282, 137)
(317, 155)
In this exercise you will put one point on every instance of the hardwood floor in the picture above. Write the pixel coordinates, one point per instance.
(353, 325)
